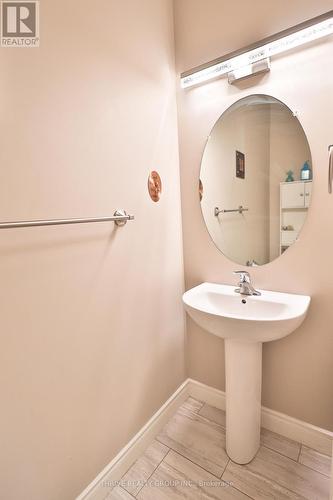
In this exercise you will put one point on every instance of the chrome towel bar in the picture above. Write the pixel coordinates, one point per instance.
(330, 168)
(240, 210)
(120, 218)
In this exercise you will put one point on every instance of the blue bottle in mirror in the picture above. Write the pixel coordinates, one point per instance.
(306, 172)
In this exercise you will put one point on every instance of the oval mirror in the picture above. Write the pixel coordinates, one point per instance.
(255, 180)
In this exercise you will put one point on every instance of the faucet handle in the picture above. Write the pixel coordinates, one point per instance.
(245, 285)
(243, 276)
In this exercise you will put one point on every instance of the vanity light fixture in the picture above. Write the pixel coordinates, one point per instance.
(244, 62)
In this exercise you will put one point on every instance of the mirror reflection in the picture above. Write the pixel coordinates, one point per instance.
(256, 180)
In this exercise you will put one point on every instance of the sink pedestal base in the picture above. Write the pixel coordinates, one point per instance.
(243, 361)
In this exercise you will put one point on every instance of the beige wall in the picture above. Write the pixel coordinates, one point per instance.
(91, 317)
(298, 370)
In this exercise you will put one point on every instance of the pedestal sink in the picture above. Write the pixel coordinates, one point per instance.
(245, 322)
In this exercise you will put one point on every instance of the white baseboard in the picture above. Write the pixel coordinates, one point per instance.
(206, 393)
(307, 434)
(314, 437)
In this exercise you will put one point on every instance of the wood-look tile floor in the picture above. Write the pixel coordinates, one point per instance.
(187, 460)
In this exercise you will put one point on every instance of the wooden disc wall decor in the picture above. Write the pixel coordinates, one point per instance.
(154, 186)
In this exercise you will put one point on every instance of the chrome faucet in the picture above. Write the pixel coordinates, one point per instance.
(245, 285)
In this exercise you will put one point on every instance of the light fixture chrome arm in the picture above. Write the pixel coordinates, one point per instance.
(120, 218)
(240, 210)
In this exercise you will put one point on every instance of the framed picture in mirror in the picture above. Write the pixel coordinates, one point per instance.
(240, 165)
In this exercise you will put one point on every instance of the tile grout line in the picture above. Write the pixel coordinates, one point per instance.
(214, 424)
(274, 481)
(130, 494)
(297, 461)
(202, 404)
(197, 401)
(316, 451)
(194, 463)
(232, 485)
(225, 468)
(209, 419)
(202, 468)
(220, 478)
(299, 453)
(108, 496)
(157, 466)
(187, 458)
(159, 463)
(265, 477)
(279, 452)
(315, 470)
(242, 492)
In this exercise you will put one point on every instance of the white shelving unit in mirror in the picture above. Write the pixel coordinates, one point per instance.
(294, 203)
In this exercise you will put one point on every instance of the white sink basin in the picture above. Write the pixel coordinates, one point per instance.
(227, 314)
(245, 322)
